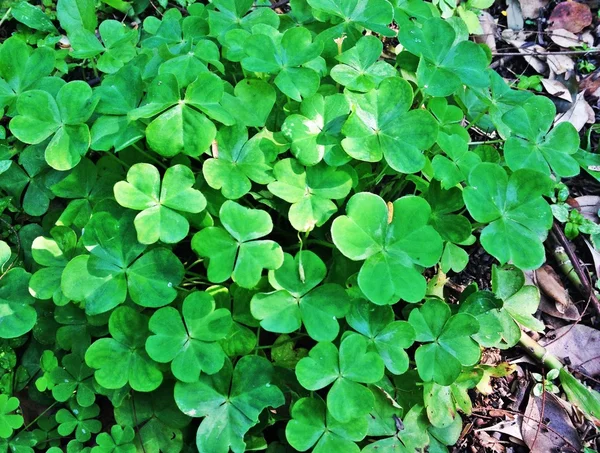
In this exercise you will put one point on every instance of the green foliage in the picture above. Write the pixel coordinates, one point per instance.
(216, 224)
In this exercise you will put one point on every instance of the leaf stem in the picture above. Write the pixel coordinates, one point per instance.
(149, 156)
(487, 142)
(539, 352)
(26, 427)
(5, 16)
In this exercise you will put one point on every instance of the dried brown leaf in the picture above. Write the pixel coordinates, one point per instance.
(588, 206)
(549, 282)
(564, 38)
(571, 16)
(531, 8)
(579, 114)
(578, 346)
(489, 27)
(547, 427)
(558, 89)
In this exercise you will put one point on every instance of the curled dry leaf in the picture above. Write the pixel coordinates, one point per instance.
(489, 28)
(549, 282)
(591, 84)
(560, 64)
(571, 16)
(588, 206)
(576, 345)
(509, 427)
(531, 8)
(514, 16)
(547, 427)
(579, 114)
(564, 38)
(558, 89)
(537, 64)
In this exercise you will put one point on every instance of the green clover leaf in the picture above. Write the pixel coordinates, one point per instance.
(21, 68)
(156, 417)
(117, 265)
(31, 183)
(445, 65)
(233, 251)
(534, 146)
(118, 94)
(394, 244)
(310, 190)
(521, 301)
(519, 218)
(160, 203)
(179, 126)
(85, 188)
(54, 253)
(412, 437)
(236, 163)
(383, 126)
(455, 166)
(120, 440)
(360, 68)
(388, 337)
(347, 369)
(9, 421)
(284, 54)
(17, 315)
(374, 15)
(444, 203)
(315, 131)
(41, 116)
(299, 299)
(191, 347)
(230, 401)
(251, 102)
(497, 329)
(236, 14)
(82, 420)
(447, 341)
(122, 359)
(73, 378)
(312, 425)
(117, 47)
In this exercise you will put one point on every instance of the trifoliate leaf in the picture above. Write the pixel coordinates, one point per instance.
(233, 251)
(447, 341)
(518, 216)
(347, 369)
(394, 243)
(298, 299)
(230, 402)
(383, 126)
(312, 425)
(121, 359)
(160, 203)
(534, 146)
(310, 190)
(191, 346)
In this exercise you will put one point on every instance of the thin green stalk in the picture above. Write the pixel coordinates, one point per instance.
(487, 142)
(118, 159)
(149, 156)
(5, 16)
(539, 352)
(39, 416)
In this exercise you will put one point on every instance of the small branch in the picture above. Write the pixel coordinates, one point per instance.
(582, 273)
(533, 53)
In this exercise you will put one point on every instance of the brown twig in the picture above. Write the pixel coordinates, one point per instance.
(582, 273)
